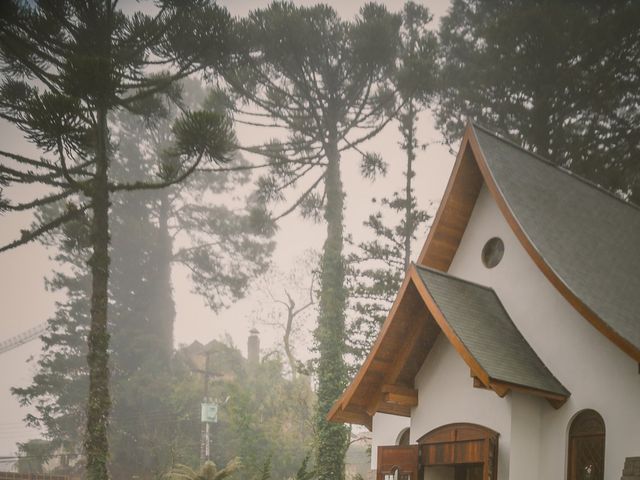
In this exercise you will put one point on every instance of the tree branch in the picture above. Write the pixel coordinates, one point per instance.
(29, 236)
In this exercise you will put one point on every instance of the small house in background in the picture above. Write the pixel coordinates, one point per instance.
(512, 349)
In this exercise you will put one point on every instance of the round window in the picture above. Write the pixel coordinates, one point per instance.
(492, 252)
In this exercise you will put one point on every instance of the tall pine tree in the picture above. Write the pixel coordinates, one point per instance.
(327, 83)
(68, 65)
(378, 266)
(226, 248)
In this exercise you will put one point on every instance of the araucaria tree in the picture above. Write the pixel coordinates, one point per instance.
(68, 64)
(326, 82)
(149, 230)
(378, 265)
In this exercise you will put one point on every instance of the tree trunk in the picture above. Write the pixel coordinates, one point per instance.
(286, 338)
(409, 224)
(99, 401)
(165, 309)
(332, 438)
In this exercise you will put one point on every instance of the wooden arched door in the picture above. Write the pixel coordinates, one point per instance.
(586, 447)
(464, 450)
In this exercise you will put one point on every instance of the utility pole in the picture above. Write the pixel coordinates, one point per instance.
(208, 411)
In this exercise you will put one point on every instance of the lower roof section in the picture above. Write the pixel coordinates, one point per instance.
(476, 323)
(481, 327)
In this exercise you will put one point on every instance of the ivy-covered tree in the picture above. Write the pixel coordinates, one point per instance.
(563, 78)
(327, 83)
(67, 66)
(378, 266)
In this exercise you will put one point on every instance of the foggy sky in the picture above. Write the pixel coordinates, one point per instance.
(24, 302)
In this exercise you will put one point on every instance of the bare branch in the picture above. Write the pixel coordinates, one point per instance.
(41, 201)
(29, 236)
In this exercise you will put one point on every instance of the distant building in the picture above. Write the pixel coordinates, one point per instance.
(512, 349)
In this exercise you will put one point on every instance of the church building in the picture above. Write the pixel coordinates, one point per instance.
(512, 350)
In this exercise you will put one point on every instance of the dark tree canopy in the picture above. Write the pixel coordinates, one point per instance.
(561, 77)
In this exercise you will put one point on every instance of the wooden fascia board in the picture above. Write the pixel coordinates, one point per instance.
(400, 362)
(461, 192)
(547, 270)
(502, 388)
(440, 319)
(400, 395)
(345, 399)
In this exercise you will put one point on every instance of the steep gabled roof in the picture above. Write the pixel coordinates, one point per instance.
(585, 240)
(484, 330)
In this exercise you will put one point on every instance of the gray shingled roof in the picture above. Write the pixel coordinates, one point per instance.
(478, 318)
(590, 238)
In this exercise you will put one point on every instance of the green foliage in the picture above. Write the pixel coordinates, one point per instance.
(329, 83)
(33, 454)
(208, 471)
(377, 267)
(303, 473)
(562, 78)
(204, 133)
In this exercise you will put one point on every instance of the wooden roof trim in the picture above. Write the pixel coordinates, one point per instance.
(347, 395)
(500, 387)
(543, 265)
(392, 374)
(440, 319)
(454, 211)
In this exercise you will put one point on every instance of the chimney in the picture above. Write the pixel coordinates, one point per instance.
(253, 347)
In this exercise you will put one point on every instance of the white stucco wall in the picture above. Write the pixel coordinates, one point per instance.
(446, 395)
(526, 431)
(386, 430)
(597, 373)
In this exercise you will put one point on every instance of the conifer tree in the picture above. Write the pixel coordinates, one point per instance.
(326, 82)
(378, 265)
(68, 65)
(562, 78)
(225, 248)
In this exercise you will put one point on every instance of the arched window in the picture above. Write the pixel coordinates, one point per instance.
(393, 475)
(586, 447)
(403, 437)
